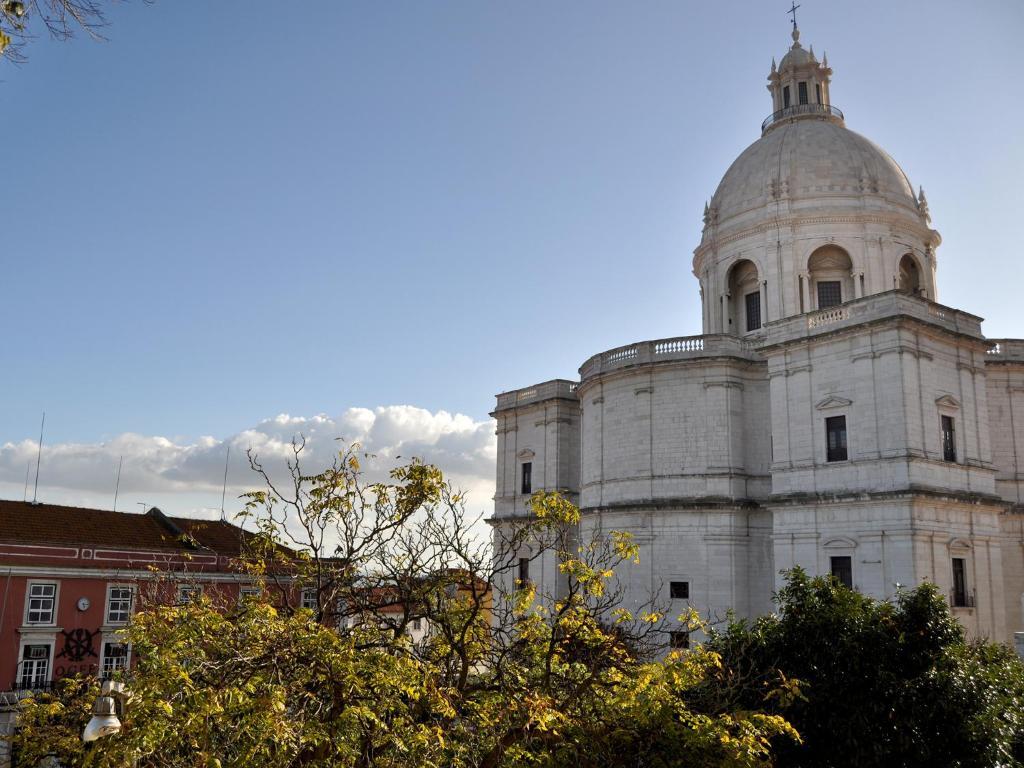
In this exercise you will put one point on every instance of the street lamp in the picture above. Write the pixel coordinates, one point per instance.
(105, 720)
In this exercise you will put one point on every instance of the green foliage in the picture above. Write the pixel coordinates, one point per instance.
(516, 679)
(880, 683)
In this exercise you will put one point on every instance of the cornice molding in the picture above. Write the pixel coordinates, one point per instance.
(793, 221)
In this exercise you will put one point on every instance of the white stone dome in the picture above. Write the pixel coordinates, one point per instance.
(795, 57)
(811, 159)
(810, 216)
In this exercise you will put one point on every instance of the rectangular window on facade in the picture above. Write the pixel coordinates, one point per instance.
(948, 438)
(842, 569)
(309, 599)
(959, 582)
(835, 438)
(416, 624)
(753, 310)
(679, 640)
(785, 97)
(119, 604)
(802, 91)
(42, 604)
(189, 593)
(248, 593)
(115, 657)
(679, 590)
(527, 484)
(524, 571)
(817, 92)
(830, 293)
(35, 666)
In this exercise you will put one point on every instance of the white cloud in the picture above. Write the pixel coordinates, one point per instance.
(185, 476)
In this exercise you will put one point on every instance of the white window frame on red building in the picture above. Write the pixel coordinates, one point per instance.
(189, 593)
(107, 607)
(47, 640)
(28, 602)
(104, 673)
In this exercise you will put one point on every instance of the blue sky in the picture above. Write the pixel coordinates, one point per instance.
(226, 213)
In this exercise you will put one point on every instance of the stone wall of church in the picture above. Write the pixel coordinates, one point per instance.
(539, 425)
(902, 540)
(1005, 384)
(892, 365)
(691, 429)
(722, 553)
(1012, 528)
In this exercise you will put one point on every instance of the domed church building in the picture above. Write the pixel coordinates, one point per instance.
(832, 415)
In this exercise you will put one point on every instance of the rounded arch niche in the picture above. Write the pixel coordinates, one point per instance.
(910, 278)
(829, 271)
(745, 311)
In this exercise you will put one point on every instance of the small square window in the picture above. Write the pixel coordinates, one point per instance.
(189, 593)
(42, 604)
(527, 484)
(119, 604)
(246, 594)
(830, 293)
(948, 439)
(679, 590)
(835, 435)
(842, 570)
(417, 623)
(679, 640)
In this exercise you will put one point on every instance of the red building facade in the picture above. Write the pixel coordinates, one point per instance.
(70, 579)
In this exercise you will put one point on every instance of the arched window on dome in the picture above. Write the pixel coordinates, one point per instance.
(910, 276)
(829, 271)
(745, 311)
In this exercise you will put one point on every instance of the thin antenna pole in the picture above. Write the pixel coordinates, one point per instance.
(141, 504)
(28, 467)
(39, 458)
(224, 488)
(117, 485)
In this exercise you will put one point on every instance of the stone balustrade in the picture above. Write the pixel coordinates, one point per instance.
(538, 392)
(665, 350)
(827, 317)
(868, 309)
(1007, 349)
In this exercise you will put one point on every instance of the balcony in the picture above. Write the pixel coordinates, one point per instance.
(666, 350)
(36, 687)
(801, 110)
(962, 599)
(556, 388)
(1006, 350)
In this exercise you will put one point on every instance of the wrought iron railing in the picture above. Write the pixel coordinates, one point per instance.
(26, 685)
(963, 599)
(795, 110)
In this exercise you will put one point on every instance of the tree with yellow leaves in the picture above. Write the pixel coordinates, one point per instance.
(501, 680)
